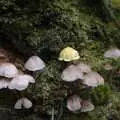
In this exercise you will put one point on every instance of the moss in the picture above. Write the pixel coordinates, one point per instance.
(101, 95)
(116, 3)
(108, 111)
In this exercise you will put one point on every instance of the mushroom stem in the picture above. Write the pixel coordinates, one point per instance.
(29, 72)
(22, 94)
(36, 74)
(60, 111)
(106, 74)
(52, 117)
(74, 62)
(110, 77)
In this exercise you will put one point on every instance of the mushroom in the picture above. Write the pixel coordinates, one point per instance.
(68, 54)
(27, 103)
(23, 102)
(73, 103)
(21, 82)
(84, 68)
(86, 106)
(112, 53)
(18, 104)
(34, 63)
(93, 79)
(8, 70)
(108, 67)
(71, 74)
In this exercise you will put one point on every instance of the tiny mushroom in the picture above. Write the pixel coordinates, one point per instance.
(18, 104)
(86, 106)
(34, 63)
(108, 67)
(27, 103)
(71, 73)
(21, 82)
(23, 102)
(112, 53)
(93, 79)
(8, 70)
(74, 103)
(68, 54)
(84, 68)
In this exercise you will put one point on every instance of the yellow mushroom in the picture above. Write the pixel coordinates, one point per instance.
(68, 54)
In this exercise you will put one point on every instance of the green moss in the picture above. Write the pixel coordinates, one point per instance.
(101, 94)
(116, 3)
(109, 111)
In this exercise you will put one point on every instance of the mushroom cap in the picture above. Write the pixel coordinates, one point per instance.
(4, 83)
(112, 53)
(84, 68)
(73, 103)
(21, 82)
(26, 103)
(68, 54)
(18, 104)
(86, 106)
(71, 74)
(34, 63)
(93, 79)
(8, 70)
(108, 67)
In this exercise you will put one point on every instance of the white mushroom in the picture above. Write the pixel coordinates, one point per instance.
(93, 79)
(18, 104)
(86, 106)
(23, 102)
(112, 53)
(84, 68)
(21, 82)
(8, 70)
(71, 74)
(34, 63)
(73, 103)
(27, 103)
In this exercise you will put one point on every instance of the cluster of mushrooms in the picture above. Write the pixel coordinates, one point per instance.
(14, 79)
(81, 72)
